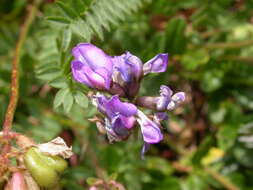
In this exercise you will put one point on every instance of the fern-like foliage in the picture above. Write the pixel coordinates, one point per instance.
(76, 18)
(93, 16)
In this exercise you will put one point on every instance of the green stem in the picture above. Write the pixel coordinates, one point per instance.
(221, 179)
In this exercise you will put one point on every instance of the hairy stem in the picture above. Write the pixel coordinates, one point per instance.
(14, 93)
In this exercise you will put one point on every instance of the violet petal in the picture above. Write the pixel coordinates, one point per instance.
(128, 65)
(157, 64)
(150, 130)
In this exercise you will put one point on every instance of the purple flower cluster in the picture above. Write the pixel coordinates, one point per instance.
(121, 76)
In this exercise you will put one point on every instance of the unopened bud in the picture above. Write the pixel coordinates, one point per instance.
(18, 181)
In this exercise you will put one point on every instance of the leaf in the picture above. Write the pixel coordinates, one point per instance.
(68, 101)
(227, 135)
(175, 33)
(194, 58)
(59, 97)
(97, 15)
(194, 182)
(67, 10)
(66, 39)
(58, 82)
(159, 164)
(81, 99)
(59, 19)
(55, 147)
(202, 150)
(212, 80)
(49, 74)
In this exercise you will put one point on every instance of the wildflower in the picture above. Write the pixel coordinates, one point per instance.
(128, 66)
(127, 73)
(121, 76)
(129, 70)
(166, 100)
(91, 66)
(119, 115)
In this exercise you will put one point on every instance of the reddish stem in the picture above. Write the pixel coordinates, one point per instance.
(14, 93)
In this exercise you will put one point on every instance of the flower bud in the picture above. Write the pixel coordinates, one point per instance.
(17, 181)
(44, 169)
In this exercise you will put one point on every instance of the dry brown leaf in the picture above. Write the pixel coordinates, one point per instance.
(56, 147)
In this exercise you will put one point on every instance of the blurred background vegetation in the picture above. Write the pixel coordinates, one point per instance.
(209, 140)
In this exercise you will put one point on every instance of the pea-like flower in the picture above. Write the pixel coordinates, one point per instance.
(127, 67)
(128, 70)
(119, 115)
(91, 66)
(121, 76)
(166, 100)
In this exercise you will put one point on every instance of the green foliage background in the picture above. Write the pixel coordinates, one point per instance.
(210, 44)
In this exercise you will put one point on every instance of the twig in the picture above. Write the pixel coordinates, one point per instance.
(248, 59)
(14, 93)
(207, 34)
(228, 45)
(221, 179)
(224, 181)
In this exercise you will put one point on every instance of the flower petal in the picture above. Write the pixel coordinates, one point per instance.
(129, 66)
(165, 91)
(144, 149)
(150, 130)
(164, 98)
(119, 128)
(78, 74)
(157, 64)
(114, 105)
(178, 97)
(92, 56)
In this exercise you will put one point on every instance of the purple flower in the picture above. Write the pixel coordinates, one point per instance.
(164, 99)
(127, 72)
(157, 64)
(128, 66)
(91, 66)
(113, 106)
(176, 99)
(167, 101)
(150, 130)
(120, 115)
